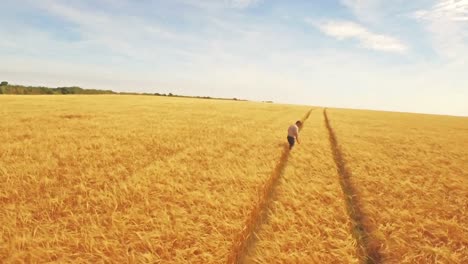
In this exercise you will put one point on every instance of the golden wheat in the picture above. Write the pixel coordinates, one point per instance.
(131, 178)
(411, 175)
(307, 220)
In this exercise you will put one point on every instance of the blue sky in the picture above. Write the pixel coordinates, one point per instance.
(386, 55)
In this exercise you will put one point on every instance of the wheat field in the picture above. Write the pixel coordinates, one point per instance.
(129, 178)
(146, 179)
(411, 174)
(307, 220)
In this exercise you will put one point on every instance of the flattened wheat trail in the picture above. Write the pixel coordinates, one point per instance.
(368, 247)
(255, 217)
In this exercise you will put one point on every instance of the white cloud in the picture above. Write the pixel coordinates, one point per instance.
(342, 30)
(455, 10)
(220, 4)
(242, 3)
(446, 21)
(363, 9)
(378, 11)
(123, 35)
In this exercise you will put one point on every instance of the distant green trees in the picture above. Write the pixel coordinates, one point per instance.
(6, 88)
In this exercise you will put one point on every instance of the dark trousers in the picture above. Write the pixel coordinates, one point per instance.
(291, 141)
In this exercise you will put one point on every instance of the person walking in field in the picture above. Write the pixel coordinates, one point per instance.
(293, 134)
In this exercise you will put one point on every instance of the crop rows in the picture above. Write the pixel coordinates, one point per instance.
(170, 180)
(131, 178)
(411, 174)
(307, 220)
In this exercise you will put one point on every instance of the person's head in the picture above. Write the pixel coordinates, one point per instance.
(298, 123)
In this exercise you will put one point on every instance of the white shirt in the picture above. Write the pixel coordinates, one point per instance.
(293, 131)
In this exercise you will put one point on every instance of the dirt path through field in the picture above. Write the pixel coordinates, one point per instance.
(258, 212)
(368, 247)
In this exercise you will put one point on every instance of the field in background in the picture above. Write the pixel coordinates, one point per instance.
(173, 180)
(411, 174)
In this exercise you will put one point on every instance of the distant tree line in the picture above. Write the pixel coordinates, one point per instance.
(6, 88)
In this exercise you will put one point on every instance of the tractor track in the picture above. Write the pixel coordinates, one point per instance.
(258, 212)
(368, 247)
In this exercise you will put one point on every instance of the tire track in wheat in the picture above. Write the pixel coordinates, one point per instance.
(255, 218)
(368, 247)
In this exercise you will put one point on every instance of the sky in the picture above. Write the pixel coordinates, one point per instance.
(399, 55)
